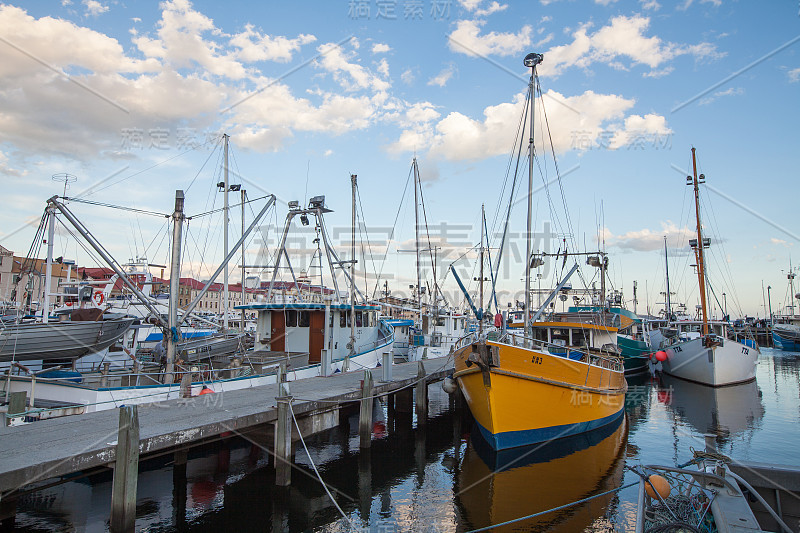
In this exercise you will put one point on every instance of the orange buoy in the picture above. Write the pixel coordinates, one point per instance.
(206, 390)
(660, 484)
(661, 355)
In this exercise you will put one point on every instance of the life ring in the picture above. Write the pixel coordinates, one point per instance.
(98, 298)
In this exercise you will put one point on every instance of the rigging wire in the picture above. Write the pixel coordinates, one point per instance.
(120, 207)
(391, 235)
(91, 191)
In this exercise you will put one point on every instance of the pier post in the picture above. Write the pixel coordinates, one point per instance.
(186, 386)
(179, 488)
(386, 366)
(364, 484)
(283, 442)
(126, 471)
(422, 395)
(104, 374)
(16, 405)
(8, 514)
(365, 415)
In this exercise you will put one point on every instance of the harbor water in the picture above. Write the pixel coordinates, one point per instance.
(440, 476)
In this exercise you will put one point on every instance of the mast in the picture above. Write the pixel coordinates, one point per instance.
(666, 265)
(243, 300)
(701, 267)
(531, 60)
(416, 239)
(480, 298)
(173, 332)
(353, 179)
(48, 275)
(225, 233)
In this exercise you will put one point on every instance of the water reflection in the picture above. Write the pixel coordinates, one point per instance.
(494, 487)
(723, 411)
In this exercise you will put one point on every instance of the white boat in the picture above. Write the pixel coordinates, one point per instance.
(303, 339)
(711, 359)
(701, 351)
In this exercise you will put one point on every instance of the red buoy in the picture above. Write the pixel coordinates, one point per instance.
(206, 390)
(661, 355)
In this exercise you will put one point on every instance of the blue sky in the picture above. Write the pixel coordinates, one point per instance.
(311, 92)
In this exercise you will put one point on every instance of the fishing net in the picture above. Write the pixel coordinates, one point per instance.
(686, 508)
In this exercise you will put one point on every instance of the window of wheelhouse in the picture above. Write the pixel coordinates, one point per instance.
(359, 319)
(580, 337)
(304, 319)
(291, 319)
(560, 336)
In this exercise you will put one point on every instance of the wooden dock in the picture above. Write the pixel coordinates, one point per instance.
(56, 449)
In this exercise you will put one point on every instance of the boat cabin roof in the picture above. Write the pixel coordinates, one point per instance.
(306, 306)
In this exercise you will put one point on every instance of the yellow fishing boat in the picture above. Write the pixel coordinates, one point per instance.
(522, 391)
(556, 378)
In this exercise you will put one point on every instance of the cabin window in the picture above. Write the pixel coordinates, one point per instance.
(540, 334)
(359, 319)
(579, 338)
(331, 321)
(560, 335)
(304, 320)
(440, 321)
(291, 319)
(344, 319)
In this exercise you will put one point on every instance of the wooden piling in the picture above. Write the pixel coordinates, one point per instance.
(16, 405)
(283, 443)
(422, 395)
(126, 471)
(179, 487)
(365, 415)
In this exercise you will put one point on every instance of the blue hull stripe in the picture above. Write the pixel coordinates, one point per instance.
(512, 439)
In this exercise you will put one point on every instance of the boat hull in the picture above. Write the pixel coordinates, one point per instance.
(786, 338)
(59, 340)
(635, 354)
(727, 363)
(533, 396)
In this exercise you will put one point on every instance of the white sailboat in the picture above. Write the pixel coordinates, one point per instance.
(701, 351)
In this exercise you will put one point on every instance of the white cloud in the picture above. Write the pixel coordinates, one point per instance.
(92, 92)
(6, 170)
(732, 91)
(781, 242)
(254, 46)
(444, 76)
(623, 38)
(650, 4)
(493, 7)
(407, 76)
(794, 75)
(383, 67)
(350, 75)
(94, 8)
(328, 153)
(647, 240)
(380, 48)
(602, 119)
(604, 2)
(470, 5)
(466, 39)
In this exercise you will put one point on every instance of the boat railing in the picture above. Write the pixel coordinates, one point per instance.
(610, 363)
